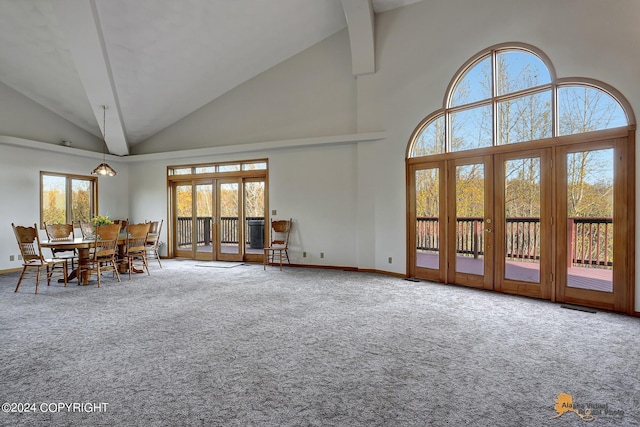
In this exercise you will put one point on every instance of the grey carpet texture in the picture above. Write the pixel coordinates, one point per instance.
(241, 346)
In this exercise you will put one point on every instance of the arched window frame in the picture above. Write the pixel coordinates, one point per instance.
(555, 83)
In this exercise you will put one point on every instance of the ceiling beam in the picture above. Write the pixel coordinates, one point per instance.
(361, 22)
(80, 23)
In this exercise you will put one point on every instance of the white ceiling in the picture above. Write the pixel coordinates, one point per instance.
(152, 62)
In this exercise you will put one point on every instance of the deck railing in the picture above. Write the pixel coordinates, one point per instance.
(228, 230)
(590, 240)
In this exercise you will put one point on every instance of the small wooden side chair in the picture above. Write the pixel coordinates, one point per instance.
(32, 257)
(279, 246)
(153, 240)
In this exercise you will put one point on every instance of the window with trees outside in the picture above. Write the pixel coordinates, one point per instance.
(533, 177)
(65, 199)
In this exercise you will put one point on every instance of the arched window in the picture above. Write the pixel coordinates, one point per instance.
(510, 94)
(523, 183)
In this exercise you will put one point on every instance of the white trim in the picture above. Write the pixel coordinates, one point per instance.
(217, 150)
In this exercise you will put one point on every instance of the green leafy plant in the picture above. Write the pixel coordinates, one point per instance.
(101, 220)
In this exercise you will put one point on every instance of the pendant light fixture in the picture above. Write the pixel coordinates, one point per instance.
(103, 168)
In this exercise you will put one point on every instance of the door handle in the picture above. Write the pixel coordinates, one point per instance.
(488, 230)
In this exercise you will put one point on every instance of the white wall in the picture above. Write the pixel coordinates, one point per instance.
(316, 186)
(312, 94)
(20, 190)
(21, 117)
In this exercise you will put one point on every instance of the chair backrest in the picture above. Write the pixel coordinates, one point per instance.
(123, 222)
(29, 243)
(137, 237)
(280, 230)
(87, 229)
(59, 232)
(155, 228)
(106, 241)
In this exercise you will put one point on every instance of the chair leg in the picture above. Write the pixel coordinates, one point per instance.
(115, 270)
(145, 262)
(37, 279)
(24, 269)
(64, 274)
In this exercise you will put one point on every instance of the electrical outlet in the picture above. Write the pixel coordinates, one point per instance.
(390, 260)
(20, 257)
(304, 254)
(274, 212)
(321, 254)
(12, 257)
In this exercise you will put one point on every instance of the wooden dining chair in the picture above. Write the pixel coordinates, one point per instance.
(62, 233)
(279, 246)
(135, 246)
(153, 240)
(32, 258)
(102, 253)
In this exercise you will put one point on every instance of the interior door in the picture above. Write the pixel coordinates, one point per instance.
(470, 222)
(523, 223)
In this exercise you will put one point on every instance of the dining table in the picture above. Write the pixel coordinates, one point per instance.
(83, 245)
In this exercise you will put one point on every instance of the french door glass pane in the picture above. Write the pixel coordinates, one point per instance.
(229, 218)
(184, 214)
(522, 219)
(590, 220)
(204, 217)
(470, 218)
(428, 218)
(254, 216)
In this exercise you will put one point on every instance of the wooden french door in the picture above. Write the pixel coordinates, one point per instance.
(428, 232)
(553, 222)
(208, 219)
(524, 223)
(595, 256)
(470, 225)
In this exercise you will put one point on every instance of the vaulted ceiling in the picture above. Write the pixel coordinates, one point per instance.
(153, 62)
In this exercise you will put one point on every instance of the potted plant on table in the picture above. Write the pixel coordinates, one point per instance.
(101, 220)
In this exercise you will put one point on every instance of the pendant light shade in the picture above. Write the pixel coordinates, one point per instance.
(103, 168)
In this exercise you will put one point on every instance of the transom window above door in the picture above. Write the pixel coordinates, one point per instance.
(509, 94)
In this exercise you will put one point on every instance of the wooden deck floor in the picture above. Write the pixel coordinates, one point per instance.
(226, 249)
(597, 279)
